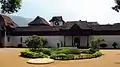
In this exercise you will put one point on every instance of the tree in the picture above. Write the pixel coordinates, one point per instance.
(94, 41)
(10, 6)
(35, 42)
(117, 6)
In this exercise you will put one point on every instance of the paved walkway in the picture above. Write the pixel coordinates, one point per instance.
(9, 58)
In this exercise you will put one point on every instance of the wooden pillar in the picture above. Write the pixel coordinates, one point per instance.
(72, 41)
(64, 41)
(87, 41)
(80, 40)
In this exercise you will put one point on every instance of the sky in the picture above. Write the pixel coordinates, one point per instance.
(71, 10)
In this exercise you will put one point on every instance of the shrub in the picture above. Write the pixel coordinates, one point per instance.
(61, 53)
(30, 54)
(44, 40)
(92, 50)
(46, 51)
(85, 51)
(70, 56)
(43, 50)
(35, 41)
(103, 45)
(94, 41)
(59, 56)
(97, 54)
(68, 51)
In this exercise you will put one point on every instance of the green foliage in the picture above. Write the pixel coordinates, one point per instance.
(92, 50)
(30, 54)
(89, 51)
(94, 41)
(68, 51)
(62, 56)
(62, 53)
(10, 6)
(44, 41)
(85, 51)
(46, 51)
(35, 41)
(96, 54)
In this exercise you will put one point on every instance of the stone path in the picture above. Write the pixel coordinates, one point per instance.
(10, 58)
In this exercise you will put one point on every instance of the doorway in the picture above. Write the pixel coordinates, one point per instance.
(76, 42)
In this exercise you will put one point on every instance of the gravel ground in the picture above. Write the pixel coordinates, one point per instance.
(9, 57)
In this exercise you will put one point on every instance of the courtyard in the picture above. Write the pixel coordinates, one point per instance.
(9, 57)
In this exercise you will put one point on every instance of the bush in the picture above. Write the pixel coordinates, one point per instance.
(97, 54)
(70, 56)
(61, 53)
(85, 51)
(62, 56)
(92, 50)
(59, 56)
(44, 41)
(30, 54)
(89, 51)
(103, 45)
(43, 50)
(68, 51)
(46, 51)
(35, 41)
(94, 41)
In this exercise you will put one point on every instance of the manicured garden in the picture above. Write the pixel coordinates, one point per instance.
(63, 53)
(37, 50)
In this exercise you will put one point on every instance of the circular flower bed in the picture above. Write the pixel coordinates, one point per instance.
(62, 53)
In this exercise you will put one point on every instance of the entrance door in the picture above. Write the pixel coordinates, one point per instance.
(76, 42)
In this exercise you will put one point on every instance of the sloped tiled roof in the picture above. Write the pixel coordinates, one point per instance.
(36, 28)
(105, 27)
(39, 21)
(81, 24)
(9, 21)
(92, 23)
(6, 21)
(56, 18)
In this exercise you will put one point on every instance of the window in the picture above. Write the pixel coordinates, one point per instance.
(8, 39)
(21, 39)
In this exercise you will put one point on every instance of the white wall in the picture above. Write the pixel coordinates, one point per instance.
(68, 40)
(15, 40)
(52, 40)
(83, 41)
(109, 39)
